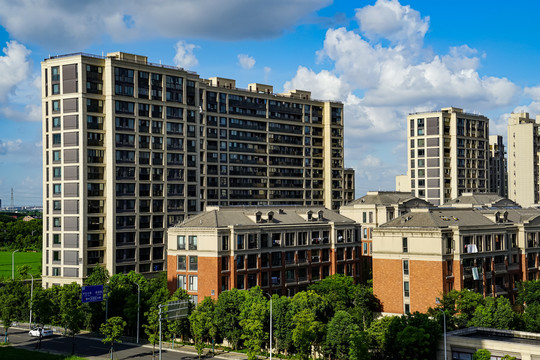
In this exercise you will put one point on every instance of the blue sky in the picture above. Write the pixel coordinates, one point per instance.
(383, 59)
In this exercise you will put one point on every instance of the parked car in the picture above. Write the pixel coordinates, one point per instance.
(40, 331)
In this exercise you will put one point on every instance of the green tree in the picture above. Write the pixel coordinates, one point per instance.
(529, 292)
(96, 310)
(203, 324)
(338, 335)
(113, 329)
(252, 323)
(305, 331)
(482, 354)
(496, 313)
(531, 318)
(7, 312)
(181, 326)
(337, 291)
(358, 346)
(228, 308)
(377, 335)
(364, 305)
(71, 310)
(281, 321)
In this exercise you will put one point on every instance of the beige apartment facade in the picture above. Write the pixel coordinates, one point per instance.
(131, 148)
(498, 175)
(448, 154)
(523, 164)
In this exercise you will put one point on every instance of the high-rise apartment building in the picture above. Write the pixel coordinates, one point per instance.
(131, 148)
(523, 163)
(448, 154)
(498, 178)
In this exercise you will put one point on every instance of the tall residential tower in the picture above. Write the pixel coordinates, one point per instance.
(131, 148)
(448, 154)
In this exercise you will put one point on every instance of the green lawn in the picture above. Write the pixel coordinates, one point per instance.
(8, 352)
(31, 258)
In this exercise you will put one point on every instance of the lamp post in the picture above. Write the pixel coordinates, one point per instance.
(270, 297)
(438, 302)
(31, 298)
(13, 265)
(138, 308)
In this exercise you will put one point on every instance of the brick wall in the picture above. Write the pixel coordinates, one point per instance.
(426, 283)
(388, 284)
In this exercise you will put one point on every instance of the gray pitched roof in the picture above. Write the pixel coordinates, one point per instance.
(482, 199)
(216, 217)
(386, 198)
(439, 218)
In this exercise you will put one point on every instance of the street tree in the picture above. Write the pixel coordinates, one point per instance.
(339, 332)
(305, 330)
(113, 329)
(203, 323)
(252, 322)
(71, 310)
(228, 308)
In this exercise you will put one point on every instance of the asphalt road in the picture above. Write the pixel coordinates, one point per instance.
(94, 349)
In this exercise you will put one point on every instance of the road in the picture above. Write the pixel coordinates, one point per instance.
(94, 349)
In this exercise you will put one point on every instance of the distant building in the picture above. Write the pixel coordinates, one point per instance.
(374, 209)
(481, 200)
(498, 176)
(448, 154)
(463, 343)
(28, 218)
(425, 253)
(523, 163)
(280, 249)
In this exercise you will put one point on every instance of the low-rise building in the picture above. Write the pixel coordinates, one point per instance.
(424, 254)
(281, 249)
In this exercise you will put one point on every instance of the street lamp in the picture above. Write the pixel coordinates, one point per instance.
(438, 302)
(138, 308)
(13, 265)
(270, 296)
(31, 298)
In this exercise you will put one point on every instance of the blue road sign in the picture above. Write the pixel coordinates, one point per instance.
(92, 293)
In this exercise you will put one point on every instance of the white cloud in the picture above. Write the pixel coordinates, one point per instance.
(14, 67)
(245, 61)
(65, 24)
(390, 20)
(184, 55)
(323, 85)
(10, 146)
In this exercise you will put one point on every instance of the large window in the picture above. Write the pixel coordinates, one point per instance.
(193, 242)
(182, 282)
(181, 242)
(406, 288)
(193, 263)
(225, 242)
(405, 245)
(181, 262)
(405, 267)
(193, 283)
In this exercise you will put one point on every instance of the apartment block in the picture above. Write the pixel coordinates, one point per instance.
(448, 154)
(280, 249)
(373, 210)
(498, 176)
(131, 148)
(523, 164)
(426, 253)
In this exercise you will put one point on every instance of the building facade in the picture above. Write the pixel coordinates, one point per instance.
(523, 163)
(280, 249)
(498, 176)
(373, 210)
(448, 154)
(426, 253)
(131, 147)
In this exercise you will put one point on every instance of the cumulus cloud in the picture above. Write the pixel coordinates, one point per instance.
(14, 67)
(245, 61)
(323, 85)
(10, 146)
(63, 24)
(184, 55)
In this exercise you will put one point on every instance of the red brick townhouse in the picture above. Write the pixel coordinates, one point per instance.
(282, 249)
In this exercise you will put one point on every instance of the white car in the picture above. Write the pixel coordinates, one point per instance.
(38, 331)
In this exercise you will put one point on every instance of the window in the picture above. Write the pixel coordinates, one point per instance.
(193, 242)
(240, 282)
(239, 241)
(55, 271)
(57, 205)
(406, 288)
(407, 308)
(405, 245)
(240, 261)
(56, 222)
(56, 155)
(57, 189)
(193, 263)
(225, 242)
(193, 283)
(182, 282)
(181, 242)
(56, 122)
(56, 238)
(57, 139)
(181, 262)
(405, 267)
(57, 172)
(56, 105)
(365, 249)
(364, 217)
(56, 255)
(56, 89)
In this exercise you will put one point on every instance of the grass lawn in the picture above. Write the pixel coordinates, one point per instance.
(8, 352)
(31, 258)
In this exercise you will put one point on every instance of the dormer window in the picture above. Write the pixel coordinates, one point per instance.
(258, 216)
(270, 216)
(320, 215)
(310, 215)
